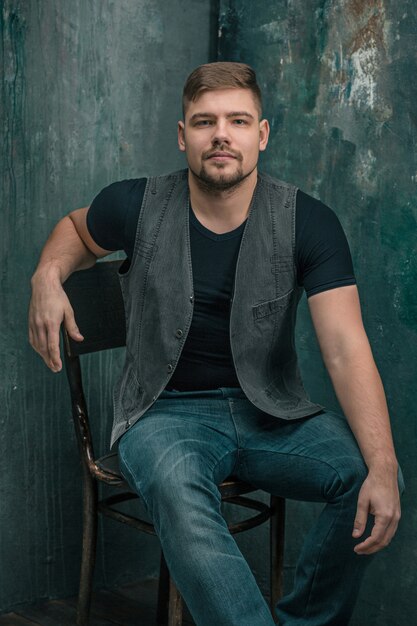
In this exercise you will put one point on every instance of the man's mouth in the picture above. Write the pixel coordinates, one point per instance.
(219, 155)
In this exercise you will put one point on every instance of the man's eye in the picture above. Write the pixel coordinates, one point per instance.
(239, 122)
(203, 123)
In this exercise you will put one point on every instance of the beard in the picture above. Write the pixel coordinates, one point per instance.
(218, 181)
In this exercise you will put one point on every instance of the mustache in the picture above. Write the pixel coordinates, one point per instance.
(226, 151)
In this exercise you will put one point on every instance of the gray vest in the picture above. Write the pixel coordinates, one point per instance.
(158, 296)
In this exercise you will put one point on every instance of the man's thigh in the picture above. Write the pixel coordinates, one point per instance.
(313, 458)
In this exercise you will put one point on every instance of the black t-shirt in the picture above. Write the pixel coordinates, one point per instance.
(322, 256)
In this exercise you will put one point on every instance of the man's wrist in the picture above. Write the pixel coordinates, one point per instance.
(48, 273)
(383, 462)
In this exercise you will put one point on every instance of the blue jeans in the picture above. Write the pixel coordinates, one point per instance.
(187, 443)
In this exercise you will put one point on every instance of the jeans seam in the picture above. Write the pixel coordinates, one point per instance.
(219, 462)
(318, 560)
(238, 447)
(301, 456)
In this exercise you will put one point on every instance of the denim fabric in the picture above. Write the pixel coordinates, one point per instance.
(159, 299)
(187, 443)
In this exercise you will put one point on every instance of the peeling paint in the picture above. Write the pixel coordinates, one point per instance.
(274, 31)
(364, 84)
(367, 172)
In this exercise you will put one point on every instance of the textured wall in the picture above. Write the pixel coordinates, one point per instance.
(340, 95)
(90, 94)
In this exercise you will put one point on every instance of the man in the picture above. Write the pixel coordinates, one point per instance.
(217, 258)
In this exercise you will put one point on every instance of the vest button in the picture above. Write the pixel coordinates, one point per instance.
(179, 333)
(169, 367)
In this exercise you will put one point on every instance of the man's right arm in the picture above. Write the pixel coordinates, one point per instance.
(70, 247)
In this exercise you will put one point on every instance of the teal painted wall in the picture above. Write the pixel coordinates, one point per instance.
(340, 94)
(90, 94)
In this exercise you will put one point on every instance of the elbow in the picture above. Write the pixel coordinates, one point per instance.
(345, 355)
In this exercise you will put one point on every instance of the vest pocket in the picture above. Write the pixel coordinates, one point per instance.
(270, 307)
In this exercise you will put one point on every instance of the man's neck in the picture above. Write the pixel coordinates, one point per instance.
(222, 211)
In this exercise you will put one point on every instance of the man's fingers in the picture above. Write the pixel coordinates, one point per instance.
(39, 341)
(71, 325)
(374, 541)
(44, 337)
(380, 538)
(361, 517)
(53, 350)
(50, 346)
(45, 341)
(32, 339)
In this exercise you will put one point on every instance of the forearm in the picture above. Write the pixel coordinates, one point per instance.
(361, 395)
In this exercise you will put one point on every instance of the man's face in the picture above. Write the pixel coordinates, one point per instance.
(222, 136)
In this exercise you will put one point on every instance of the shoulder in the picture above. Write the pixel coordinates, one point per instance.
(314, 216)
(120, 191)
(113, 214)
(308, 204)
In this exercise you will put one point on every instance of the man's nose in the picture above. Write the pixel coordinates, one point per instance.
(220, 134)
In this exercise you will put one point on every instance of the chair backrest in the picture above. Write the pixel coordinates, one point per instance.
(96, 298)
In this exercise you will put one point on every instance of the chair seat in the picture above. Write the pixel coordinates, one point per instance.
(109, 463)
(232, 490)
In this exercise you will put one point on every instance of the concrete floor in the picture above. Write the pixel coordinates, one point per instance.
(131, 605)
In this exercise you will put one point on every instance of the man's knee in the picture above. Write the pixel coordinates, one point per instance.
(347, 478)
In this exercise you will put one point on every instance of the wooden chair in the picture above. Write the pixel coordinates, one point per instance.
(97, 301)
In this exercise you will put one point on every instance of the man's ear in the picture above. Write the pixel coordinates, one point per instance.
(181, 137)
(263, 134)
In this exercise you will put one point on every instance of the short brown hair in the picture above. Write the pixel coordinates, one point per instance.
(220, 75)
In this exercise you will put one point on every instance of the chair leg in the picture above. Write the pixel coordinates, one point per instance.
(175, 605)
(163, 593)
(277, 537)
(169, 612)
(88, 556)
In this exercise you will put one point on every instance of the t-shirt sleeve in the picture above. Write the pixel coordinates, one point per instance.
(323, 256)
(113, 215)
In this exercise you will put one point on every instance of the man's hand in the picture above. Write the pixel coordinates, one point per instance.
(49, 307)
(379, 496)
(70, 247)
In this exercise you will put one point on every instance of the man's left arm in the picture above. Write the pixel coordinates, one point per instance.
(348, 358)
